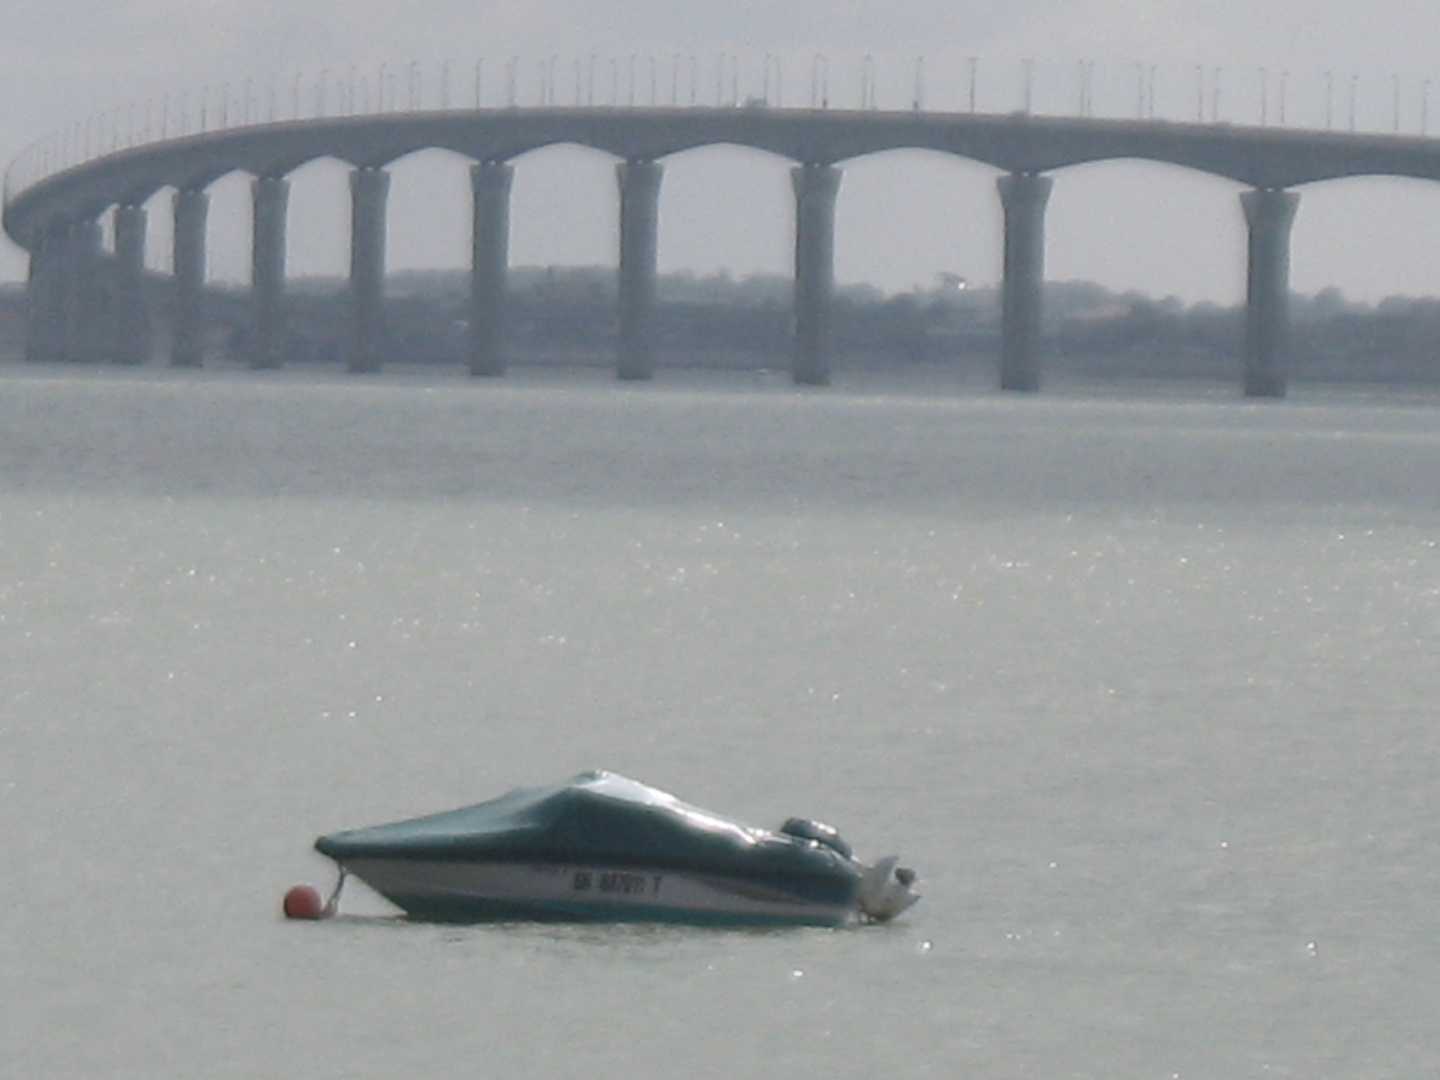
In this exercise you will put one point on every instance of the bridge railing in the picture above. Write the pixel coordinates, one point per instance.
(1201, 94)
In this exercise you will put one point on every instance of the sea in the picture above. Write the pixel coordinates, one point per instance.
(1143, 679)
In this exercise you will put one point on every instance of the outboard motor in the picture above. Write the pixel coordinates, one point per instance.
(886, 889)
(805, 829)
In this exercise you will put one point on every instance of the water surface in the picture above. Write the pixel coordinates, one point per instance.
(1142, 682)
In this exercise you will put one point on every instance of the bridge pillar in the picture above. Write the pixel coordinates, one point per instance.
(62, 289)
(187, 326)
(1269, 213)
(269, 196)
(639, 230)
(45, 293)
(816, 186)
(69, 290)
(369, 189)
(489, 265)
(132, 313)
(1023, 196)
(89, 322)
(35, 299)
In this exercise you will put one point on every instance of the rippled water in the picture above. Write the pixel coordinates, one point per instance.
(1143, 682)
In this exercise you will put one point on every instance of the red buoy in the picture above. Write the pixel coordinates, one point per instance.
(303, 902)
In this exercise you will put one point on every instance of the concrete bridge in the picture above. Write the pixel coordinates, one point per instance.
(56, 217)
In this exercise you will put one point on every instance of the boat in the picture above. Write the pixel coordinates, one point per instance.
(602, 847)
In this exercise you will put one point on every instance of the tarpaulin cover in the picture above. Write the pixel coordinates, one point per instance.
(598, 818)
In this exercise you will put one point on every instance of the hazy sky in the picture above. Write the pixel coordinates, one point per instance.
(902, 218)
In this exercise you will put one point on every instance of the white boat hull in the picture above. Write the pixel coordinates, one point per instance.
(478, 891)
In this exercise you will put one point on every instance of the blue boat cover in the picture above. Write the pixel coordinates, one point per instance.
(607, 819)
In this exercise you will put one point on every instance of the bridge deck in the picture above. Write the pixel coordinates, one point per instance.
(1264, 157)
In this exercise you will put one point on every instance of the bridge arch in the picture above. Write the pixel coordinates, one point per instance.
(1154, 195)
(229, 233)
(963, 234)
(1408, 240)
(571, 187)
(319, 219)
(429, 211)
(734, 202)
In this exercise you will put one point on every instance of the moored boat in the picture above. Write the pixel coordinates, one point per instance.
(604, 847)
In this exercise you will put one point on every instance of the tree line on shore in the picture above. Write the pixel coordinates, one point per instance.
(567, 315)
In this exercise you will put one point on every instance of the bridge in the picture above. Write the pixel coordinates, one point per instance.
(86, 303)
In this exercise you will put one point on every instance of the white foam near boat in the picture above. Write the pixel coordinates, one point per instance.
(604, 847)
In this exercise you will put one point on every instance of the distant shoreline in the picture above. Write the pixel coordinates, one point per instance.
(565, 318)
